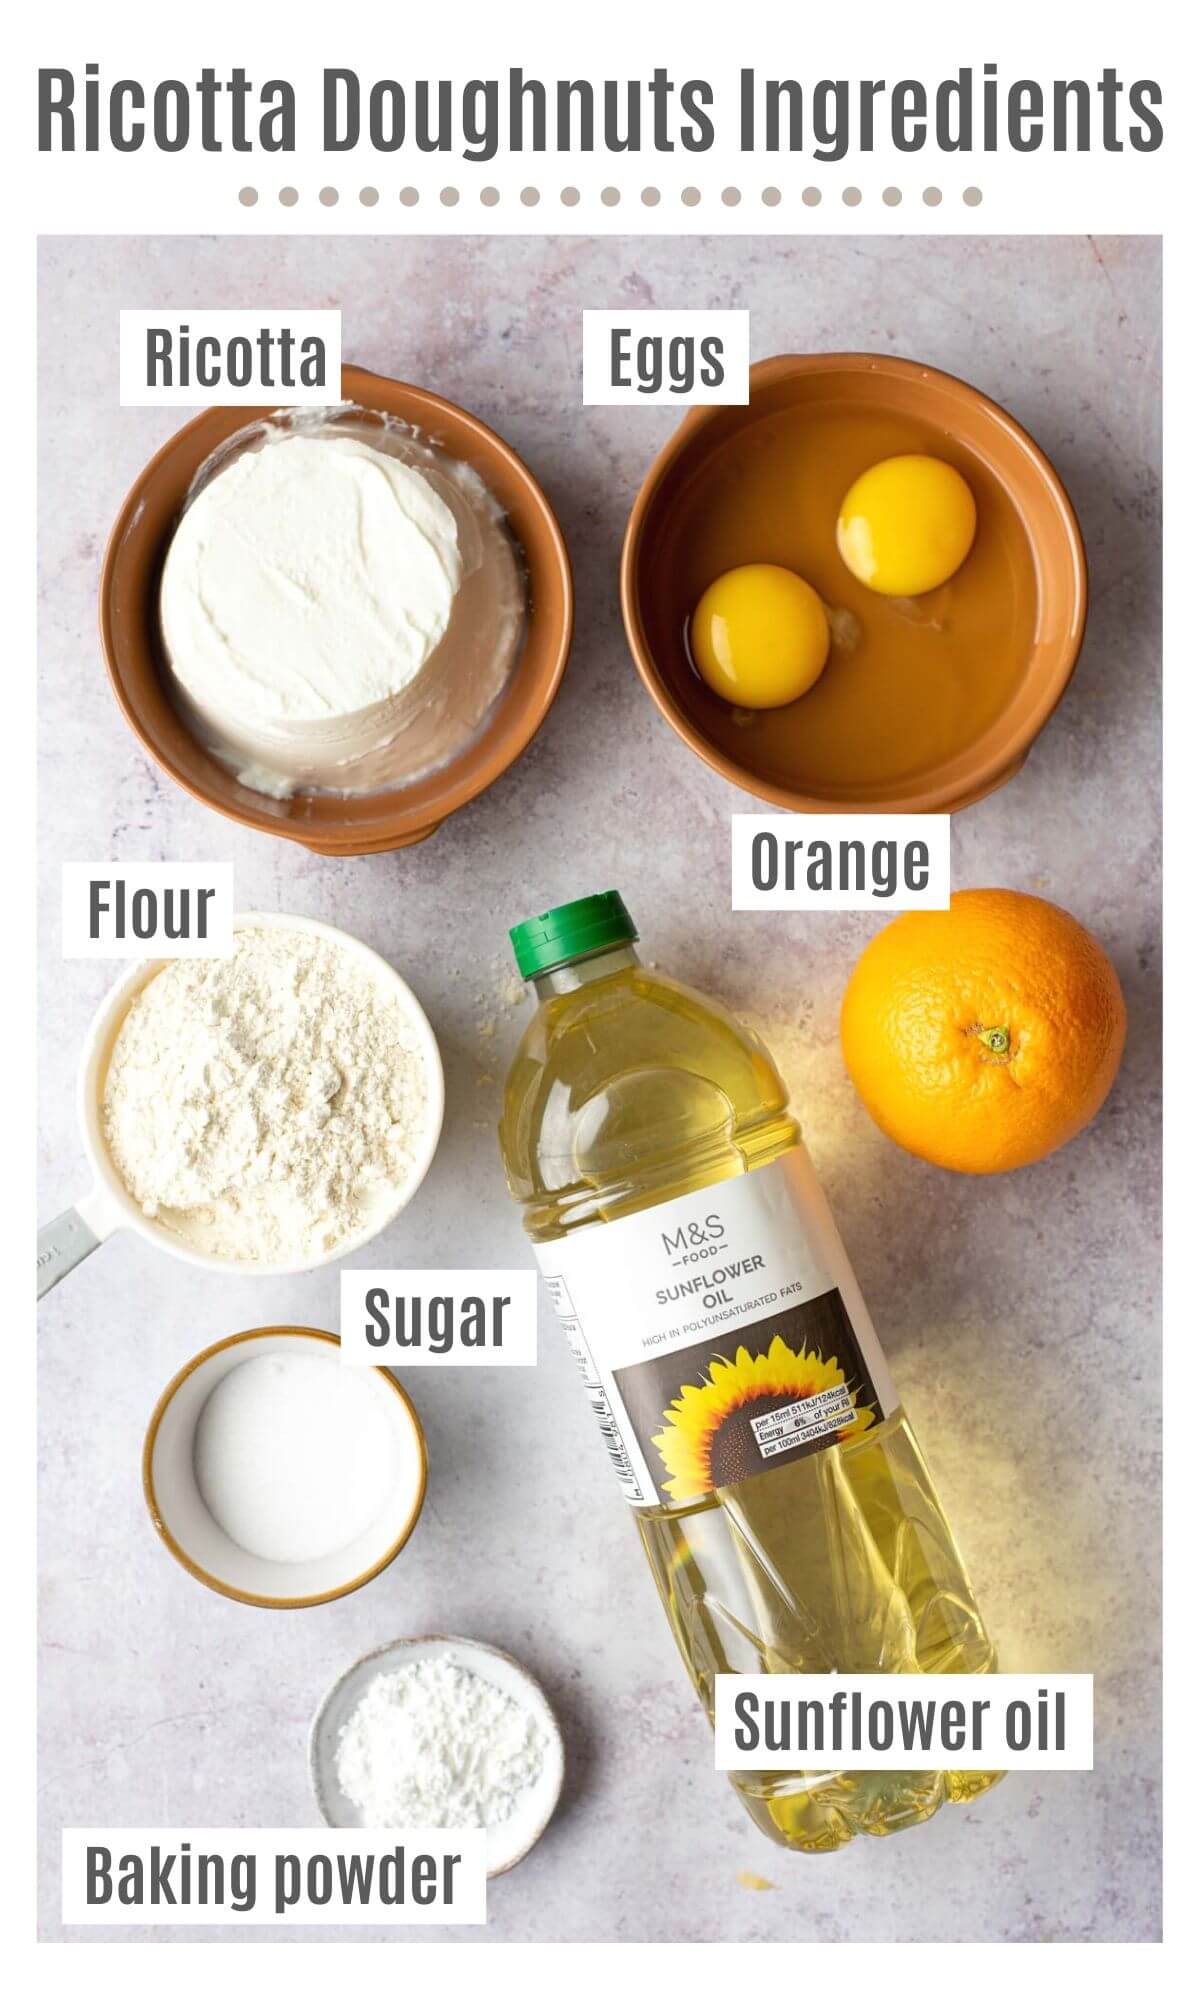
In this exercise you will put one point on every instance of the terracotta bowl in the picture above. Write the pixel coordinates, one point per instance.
(656, 616)
(376, 822)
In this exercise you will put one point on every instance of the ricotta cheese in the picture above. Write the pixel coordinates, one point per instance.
(311, 578)
(340, 606)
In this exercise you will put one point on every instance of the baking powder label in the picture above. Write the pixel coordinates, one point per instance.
(719, 1334)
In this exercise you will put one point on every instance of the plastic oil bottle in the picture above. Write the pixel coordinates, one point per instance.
(782, 1501)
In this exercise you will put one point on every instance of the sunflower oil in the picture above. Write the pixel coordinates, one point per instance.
(781, 1498)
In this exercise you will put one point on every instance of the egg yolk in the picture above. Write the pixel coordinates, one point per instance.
(906, 525)
(760, 636)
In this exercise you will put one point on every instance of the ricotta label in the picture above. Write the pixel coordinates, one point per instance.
(720, 1333)
(225, 355)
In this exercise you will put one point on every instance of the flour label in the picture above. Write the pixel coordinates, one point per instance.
(719, 1334)
(147, 909)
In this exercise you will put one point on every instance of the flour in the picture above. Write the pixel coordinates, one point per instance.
(264, 1107)
(432, 1744)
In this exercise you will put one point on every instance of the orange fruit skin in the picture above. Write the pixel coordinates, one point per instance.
(984, 1036)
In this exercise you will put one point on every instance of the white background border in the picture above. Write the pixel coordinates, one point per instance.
(1041, 193)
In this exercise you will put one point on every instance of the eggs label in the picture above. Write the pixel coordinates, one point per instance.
(147, 909)
(172, 357)
(426, 1319)
(842, 861)
(666, 357)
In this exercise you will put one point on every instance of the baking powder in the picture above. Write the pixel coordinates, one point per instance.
(432, 1744)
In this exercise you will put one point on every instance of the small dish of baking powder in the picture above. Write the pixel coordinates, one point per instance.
(439, 1732)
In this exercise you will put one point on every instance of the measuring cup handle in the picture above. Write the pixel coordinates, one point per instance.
(62, 1244)
(70, 1238)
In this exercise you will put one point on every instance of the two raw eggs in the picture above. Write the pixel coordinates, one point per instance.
(760, 635)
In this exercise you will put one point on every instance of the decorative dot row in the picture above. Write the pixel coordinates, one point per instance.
(570, 197)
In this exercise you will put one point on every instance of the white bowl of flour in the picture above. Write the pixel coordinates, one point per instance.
(439, 1732)
(264, 1113)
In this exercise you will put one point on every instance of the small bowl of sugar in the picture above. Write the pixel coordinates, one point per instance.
(279, 1477)
(439, 1732)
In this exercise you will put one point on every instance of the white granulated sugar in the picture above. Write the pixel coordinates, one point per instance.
(264, 1106)
(432, 1744)
(294, 1455)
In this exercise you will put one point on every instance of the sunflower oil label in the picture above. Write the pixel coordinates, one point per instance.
(719, 1334)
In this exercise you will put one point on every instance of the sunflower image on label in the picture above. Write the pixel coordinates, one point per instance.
(778, 1389)
(719, 1334)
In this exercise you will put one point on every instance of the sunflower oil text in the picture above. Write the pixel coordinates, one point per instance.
(869, 1722)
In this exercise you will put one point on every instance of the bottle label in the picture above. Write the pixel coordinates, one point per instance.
(719, 1334)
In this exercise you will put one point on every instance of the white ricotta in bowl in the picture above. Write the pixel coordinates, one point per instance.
(340, 604)
(312, 578)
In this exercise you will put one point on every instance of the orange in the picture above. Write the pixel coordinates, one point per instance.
(984, 1036)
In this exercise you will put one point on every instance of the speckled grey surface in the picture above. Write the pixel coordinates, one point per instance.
(1020, 1314)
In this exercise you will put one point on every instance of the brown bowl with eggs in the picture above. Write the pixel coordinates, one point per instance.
(931, 673)
(337, 626)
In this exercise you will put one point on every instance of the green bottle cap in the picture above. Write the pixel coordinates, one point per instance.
(573, 930)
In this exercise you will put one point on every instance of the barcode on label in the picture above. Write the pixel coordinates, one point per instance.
(614, 1443)
(615, 1447)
